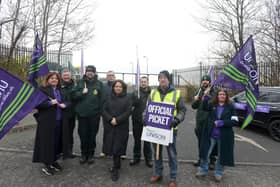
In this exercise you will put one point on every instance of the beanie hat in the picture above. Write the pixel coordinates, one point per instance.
(164, 73)
(206, 77)
(91, 68)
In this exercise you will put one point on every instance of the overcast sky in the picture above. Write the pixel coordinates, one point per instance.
(163, 30)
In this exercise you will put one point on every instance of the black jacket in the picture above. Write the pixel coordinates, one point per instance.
(45, 150)
(67, 95)
(116, 137)
(139, 104)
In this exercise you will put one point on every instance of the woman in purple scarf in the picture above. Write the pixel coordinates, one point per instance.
(220, 122)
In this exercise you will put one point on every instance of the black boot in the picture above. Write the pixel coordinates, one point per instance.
(83, 159)
(148, 163)
(71, 154)
(134, 162)
(90, 159)
(115, 174)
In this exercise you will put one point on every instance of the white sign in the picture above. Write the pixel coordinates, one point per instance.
(157, 135)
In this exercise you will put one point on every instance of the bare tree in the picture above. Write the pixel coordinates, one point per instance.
(233, 21)
(74, 32)
(269, 42)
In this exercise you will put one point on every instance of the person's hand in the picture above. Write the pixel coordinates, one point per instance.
(219, 123)
(114, 121)
(207, 91)
(62, 105)
(54, 101)
(85, 91)
(175, 122)
(196, 98)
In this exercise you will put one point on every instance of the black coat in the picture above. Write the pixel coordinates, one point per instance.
(139, 104)
(67, 95)
(226, 136)
(116, 137)
(48, 143)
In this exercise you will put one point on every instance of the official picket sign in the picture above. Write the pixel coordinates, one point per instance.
(158, 119)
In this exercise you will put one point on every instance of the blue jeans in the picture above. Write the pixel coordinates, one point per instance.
(219, 169)
(172, 159)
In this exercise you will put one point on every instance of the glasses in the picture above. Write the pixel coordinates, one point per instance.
(221, 94)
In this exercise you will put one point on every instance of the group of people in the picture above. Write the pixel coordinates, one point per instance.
(89, 99)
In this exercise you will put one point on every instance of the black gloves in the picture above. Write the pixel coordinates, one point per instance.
(175, 122)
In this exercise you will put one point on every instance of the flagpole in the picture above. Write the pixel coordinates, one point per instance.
(157, 152)
(82, 63)
(138, 74)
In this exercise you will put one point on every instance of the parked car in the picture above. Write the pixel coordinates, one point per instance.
(269, 97)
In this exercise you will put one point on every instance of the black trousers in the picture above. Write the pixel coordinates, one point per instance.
(71, 122)
(116, 161)
(198, 133)
(87, 130)
(137, 132)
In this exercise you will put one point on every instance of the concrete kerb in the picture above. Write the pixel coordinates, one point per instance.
(165, 160)
(21, 127)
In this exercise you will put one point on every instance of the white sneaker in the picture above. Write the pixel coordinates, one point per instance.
(102, 155)
(199, 174)
(218, 178)
(123, 157)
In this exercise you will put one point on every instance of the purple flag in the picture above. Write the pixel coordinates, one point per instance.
(242, 74)
(38, 64)
(82, 64)
(211, 72)
(17, 99)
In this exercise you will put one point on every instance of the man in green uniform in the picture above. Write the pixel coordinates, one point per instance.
(89, 95)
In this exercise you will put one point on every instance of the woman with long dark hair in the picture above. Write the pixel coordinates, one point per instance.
(220, 122)
(48, 140)
(116, 112)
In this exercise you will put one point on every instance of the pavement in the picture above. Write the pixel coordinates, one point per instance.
(16, 168)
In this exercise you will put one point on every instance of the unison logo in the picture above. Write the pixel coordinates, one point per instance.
(155, 135)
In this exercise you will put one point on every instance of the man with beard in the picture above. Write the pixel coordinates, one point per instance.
(89, 94)
(139, 104)
(202, 116)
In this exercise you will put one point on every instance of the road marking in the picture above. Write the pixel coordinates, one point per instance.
(250, 141)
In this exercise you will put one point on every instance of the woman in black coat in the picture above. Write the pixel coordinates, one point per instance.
(221, 119)
(116, 112)
(48, 141)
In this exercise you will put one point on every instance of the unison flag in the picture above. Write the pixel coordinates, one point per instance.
(17, 99)
(242, 74)
(38, 65)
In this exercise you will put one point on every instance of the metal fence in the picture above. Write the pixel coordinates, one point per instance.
(18, 62)
(268, 74)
